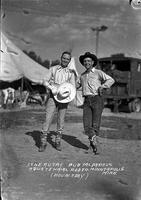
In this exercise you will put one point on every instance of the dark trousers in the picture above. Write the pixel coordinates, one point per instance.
(92, 111)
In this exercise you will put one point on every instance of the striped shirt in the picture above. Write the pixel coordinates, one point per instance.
(94, 79)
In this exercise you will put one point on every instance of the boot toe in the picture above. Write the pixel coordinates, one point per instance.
(42, 148)
(58, 146)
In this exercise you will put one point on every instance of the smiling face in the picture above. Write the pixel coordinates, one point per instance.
(88, 63)
(65, 59)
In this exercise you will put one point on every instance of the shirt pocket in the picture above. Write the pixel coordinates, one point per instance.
(93, 83)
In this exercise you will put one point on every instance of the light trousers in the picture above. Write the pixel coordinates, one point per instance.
(51, 107)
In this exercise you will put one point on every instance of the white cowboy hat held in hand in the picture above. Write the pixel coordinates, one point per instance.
(65, 93)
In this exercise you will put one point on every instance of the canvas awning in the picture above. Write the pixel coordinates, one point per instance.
(15, 64)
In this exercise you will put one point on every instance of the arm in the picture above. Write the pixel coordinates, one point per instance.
(108, 80)
(46, 81)
(49, 83)
(78, 83)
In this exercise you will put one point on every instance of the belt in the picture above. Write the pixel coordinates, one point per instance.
(87, 96)
(90, 96)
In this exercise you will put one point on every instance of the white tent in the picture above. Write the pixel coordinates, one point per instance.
(15, 64)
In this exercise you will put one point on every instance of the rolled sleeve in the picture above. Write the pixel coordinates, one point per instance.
(108, 80)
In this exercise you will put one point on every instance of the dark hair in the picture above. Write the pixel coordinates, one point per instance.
(66, 52)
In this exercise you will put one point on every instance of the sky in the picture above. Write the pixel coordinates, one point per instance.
(50, 27)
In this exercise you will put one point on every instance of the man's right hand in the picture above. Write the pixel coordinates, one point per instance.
(45, 83)
(100, 91)
(53, 89)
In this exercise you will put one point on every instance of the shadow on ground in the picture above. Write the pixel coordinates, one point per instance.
(36, 137)
(72, 140)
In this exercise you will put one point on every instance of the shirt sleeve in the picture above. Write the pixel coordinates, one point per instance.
(47, 81)
(108, 80)
(78, 82)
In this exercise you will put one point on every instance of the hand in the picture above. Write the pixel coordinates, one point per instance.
(54, 90)
(45, 83)
(41, 82)
(100, 91)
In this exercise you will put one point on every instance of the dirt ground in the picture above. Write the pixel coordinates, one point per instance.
(74, 173)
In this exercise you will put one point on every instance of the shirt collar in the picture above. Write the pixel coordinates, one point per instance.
(93, 69)
(64, 68)
(59, 67)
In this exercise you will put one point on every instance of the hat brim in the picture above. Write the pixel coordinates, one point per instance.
(92, 56)
(69, 98)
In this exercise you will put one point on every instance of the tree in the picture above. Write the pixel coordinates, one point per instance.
(46, 63)
(37, 58)
(55, 62)
(33, 55)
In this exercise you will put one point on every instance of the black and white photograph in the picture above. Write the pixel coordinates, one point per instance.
(70, 100)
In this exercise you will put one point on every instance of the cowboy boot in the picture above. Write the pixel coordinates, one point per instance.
(58, 142)
(93, 144)
(43, 142)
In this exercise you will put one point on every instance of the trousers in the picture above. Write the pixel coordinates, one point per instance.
(92, 111)
(51, 106)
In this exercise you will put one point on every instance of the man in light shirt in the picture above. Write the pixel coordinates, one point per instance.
(58, 74)
(93, 82)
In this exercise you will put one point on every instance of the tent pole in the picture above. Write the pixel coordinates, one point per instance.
(21, 90)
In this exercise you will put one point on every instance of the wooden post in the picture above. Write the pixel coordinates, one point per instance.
(21, 89)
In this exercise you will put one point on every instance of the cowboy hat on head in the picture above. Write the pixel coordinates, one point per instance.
(88, 55)
(65, 93)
